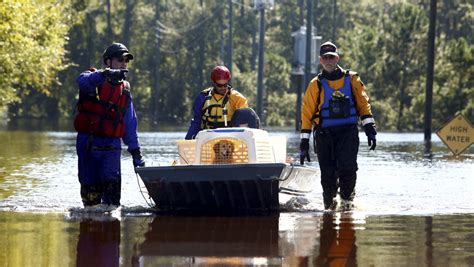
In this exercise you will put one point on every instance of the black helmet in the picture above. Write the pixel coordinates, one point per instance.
(116, 50)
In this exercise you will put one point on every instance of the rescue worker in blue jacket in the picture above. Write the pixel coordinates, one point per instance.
(104, 116)
(215, 106)
(334, 102)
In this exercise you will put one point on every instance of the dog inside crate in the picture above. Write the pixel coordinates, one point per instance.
(224, 151)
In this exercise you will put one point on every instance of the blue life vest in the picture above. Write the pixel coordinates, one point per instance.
(338, 107)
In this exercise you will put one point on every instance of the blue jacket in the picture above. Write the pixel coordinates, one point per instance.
(88, 81)
(195, 126)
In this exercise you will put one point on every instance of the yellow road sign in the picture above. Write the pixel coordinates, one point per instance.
(457, 134)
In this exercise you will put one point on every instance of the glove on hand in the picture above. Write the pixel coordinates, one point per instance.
(304, 150)
(137, 158)
(370, 131)
(115, 75)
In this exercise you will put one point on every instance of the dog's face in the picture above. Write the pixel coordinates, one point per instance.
(224, 151)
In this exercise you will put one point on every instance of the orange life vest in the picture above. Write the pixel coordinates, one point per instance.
(102, 112)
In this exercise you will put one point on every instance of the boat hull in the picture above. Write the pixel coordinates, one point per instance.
(225, 187)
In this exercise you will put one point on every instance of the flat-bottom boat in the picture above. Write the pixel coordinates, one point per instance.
(227, 169)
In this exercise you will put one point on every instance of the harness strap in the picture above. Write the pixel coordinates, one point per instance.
(346, 74)
(208, 118)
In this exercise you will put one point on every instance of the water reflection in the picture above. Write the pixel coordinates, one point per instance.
(337, 246)
(285, 239)
(99, 242)
(210, 240)
(281, 240)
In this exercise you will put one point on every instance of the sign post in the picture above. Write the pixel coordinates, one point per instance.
(457, 134)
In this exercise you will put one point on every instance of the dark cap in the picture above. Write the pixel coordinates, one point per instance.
(123, 54)
(328, 48)
(117, 50)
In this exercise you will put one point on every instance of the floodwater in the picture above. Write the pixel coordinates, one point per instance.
(408, 212)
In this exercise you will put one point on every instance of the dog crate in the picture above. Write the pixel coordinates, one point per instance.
(186, 151)
(232, 146)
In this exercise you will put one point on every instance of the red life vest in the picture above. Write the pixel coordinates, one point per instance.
(102, 112)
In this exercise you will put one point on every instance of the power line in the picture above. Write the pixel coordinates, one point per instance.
(178, 31)
(240, 4)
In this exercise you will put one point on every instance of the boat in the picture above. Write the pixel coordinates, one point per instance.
(211, 240)
(227, 169)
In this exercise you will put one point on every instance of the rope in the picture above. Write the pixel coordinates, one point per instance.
(290, 172)
(181, 156)
(150, 204)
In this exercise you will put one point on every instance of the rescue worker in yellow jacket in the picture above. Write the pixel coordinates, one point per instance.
(334, 102)
(214, 106)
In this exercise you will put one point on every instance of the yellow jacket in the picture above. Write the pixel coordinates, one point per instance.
(314, 97)
(201, 120)
(214, 105)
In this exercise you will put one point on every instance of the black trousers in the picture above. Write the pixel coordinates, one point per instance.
(337, 149)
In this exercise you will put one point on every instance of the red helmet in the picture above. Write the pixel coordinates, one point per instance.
(220, 73)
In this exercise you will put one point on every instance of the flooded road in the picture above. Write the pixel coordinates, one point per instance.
(285, 239)
(409, 212)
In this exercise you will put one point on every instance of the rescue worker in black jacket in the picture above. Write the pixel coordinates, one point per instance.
(334, 102)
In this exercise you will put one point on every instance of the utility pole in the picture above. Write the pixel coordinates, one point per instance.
(429, 78)
(309, 39)
(334, 14)
(110, 31)
(253, 57)
(299, 78)
(201, 58)
(304, 62)
(223, 56)
(230, 45)
(261, 46)
(301, 16)
(155, 78)
(261, 5)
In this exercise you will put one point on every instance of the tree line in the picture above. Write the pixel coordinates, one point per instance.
(45, 45)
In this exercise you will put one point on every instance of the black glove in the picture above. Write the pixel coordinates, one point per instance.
(115, 75)
(304, 150)
(137, 158)
(370, 131)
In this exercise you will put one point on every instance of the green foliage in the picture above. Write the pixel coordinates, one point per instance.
(32, 39)
(177, 43)
(389, 53)
(247, 85)
(281, 109)
(454, 86)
